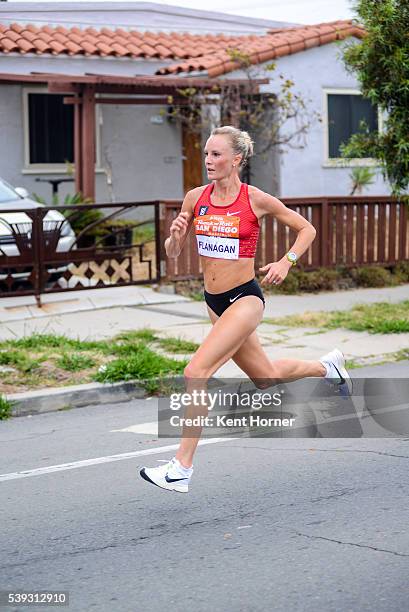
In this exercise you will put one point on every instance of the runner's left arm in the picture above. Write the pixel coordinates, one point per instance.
(269, 205)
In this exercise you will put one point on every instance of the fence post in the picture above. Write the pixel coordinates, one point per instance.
(157, 242)
(324, 233)
(37, 240)
(160, 246)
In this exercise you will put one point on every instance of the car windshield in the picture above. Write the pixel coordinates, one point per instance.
(7, 193)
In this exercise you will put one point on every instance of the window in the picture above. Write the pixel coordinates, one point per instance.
(345, 110)
(49, 132)
(51, 129)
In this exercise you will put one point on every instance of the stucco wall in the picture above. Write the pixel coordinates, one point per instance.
(146, 158)
(143, 160)
(11, 130)
(303, 172)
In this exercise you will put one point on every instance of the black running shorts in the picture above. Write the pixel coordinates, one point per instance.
(219, 302)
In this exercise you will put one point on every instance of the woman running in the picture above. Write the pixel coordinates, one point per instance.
(226, 215)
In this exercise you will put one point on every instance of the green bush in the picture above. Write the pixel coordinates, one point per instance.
(373, 276)
(80, 219)
(144, 232)
(401, 271)
(323, 279)
(290, 286)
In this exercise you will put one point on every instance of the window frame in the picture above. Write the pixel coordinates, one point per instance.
(340, 162)
(50, 168)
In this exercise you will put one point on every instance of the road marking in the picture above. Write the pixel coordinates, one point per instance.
(98, 460)
(142, 428)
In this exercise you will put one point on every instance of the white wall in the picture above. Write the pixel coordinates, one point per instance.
(136, 15)
(143, 159)
(146, 158)
(303, 172)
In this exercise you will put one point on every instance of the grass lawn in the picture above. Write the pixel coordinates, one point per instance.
(48, 360)
(378, 318)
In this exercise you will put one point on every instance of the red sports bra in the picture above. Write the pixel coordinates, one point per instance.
(226, 232)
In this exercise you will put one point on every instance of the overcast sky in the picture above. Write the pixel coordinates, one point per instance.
(297, 11)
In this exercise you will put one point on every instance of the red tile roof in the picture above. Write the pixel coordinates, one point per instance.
(191, 52)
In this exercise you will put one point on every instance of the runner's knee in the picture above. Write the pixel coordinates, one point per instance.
(193, 371)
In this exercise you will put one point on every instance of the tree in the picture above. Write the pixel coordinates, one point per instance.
(381, 63)
(280, 119)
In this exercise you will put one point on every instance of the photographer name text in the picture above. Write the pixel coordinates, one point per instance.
(255, 420)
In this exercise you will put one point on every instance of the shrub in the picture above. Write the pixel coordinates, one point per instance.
(322, 279)
(401, 271)
(290, 286)
(373, 277)
(318, 280)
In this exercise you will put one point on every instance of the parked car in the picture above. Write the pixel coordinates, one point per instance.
(16, 199)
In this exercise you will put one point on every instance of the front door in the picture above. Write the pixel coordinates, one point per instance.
(192, 159)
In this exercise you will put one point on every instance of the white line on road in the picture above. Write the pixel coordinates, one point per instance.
(98, 460)
(143, 428)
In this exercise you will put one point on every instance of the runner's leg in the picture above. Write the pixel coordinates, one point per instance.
(252, 359)
(225, 338)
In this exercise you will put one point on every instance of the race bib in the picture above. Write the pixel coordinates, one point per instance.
(218, 236)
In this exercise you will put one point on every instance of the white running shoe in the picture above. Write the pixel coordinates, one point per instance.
(171, 476)
(334, 363)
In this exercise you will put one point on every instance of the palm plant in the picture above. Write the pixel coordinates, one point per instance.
(361, 177)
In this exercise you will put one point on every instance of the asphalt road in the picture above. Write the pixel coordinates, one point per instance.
(269, 524)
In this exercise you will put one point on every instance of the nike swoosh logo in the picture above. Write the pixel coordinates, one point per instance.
(340, 375)
(233, 213)
(173, 479)
(235, 297)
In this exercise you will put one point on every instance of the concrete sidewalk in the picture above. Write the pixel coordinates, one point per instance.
(102, 313)
(24, 307)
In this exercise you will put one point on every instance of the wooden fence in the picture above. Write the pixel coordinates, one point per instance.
(351, 231)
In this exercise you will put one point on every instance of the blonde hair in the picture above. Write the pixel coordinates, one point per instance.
(240, 141)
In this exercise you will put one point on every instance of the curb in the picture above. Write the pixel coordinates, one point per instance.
(55, 399)
(77, 396)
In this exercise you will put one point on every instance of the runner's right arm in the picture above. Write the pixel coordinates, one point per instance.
(180, 227)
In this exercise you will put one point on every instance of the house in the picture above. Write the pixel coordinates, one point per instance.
(143, 16)
(84, 51)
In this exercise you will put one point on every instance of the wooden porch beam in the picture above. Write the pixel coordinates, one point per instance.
(88, 142)
(145, 101)
(55, 87)
(78, 147)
